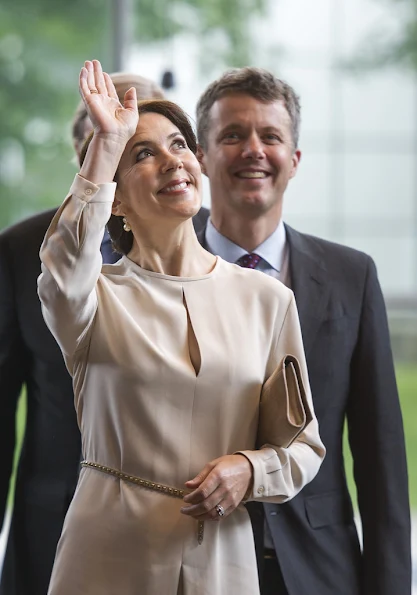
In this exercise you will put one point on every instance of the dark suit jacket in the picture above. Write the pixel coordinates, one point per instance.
(48, 467)
(347, 346)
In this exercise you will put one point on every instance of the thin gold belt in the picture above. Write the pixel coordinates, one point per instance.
(144, 483)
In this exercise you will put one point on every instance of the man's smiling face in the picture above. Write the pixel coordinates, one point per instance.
(249, 157)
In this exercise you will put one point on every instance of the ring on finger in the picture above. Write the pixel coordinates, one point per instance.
(219, 509)
(93, 91)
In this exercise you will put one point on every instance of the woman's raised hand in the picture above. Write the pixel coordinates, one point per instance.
(109, 117)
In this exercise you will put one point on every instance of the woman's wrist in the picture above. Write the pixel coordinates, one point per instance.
(102, 158)
(111, 138)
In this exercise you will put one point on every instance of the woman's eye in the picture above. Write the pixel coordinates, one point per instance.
(143, 154)
(180, 144)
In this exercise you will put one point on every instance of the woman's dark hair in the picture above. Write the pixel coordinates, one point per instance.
(122, 240)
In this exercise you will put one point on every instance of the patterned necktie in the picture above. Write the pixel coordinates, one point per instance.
(249, 261)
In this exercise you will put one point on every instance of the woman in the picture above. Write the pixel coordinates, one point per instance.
(168, 349)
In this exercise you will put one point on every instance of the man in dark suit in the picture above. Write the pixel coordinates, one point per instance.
(248, 124)
(29, 356)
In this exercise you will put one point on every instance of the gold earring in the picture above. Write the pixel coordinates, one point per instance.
(126, 225)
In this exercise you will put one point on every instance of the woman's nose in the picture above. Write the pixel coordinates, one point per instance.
(172, 162)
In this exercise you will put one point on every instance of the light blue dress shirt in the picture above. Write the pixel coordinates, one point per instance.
(273, 251)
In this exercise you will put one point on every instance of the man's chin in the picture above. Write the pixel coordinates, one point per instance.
(255, 203)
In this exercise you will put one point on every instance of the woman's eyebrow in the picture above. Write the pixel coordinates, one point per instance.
(150, 142)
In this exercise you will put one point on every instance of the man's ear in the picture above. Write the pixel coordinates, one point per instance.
(117, 207)
(295, 161)
(200, 157)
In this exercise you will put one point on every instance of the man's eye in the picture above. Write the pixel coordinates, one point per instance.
(143, 154)
(231, 136)
(272, 138)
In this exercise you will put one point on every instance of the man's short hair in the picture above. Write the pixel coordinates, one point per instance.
(257, 83)
(145, 89)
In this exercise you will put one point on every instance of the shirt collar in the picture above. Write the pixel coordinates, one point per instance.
(271, 250)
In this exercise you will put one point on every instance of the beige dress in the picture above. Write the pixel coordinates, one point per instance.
(145, 410)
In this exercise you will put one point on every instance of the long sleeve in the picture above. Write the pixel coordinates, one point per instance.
(71, 262)
(280, 473)
(12, 371)
(377, 442)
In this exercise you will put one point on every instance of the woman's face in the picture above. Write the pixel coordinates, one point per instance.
(158, 176)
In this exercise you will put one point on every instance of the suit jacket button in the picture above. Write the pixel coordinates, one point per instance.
(261, 490)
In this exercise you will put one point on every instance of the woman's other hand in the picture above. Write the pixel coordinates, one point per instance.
(109, 117)
(219, 488)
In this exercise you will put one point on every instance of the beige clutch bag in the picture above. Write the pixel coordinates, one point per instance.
(284, 411)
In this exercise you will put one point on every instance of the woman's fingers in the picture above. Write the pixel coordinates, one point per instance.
(91, 83)
(104, 108)
(203, 491)
(111, 90)
(198, 479)
(130, 100)
(99, 78)
(223, 482)
(208, 508)
(84, 90)
(92, 79)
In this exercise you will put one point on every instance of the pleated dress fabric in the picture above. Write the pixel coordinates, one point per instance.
(145, 409)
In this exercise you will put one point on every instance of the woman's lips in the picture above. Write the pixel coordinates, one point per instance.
(175, 186)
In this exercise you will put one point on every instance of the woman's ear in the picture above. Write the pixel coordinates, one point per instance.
(117, 207)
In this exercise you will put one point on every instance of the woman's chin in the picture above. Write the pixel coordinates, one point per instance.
(185, 209)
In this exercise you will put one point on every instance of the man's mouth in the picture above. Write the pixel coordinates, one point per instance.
(252, 174)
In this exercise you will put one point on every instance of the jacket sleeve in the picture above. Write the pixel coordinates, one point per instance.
(71, 262)
(280, 473)
(376, 439)
(12, 370)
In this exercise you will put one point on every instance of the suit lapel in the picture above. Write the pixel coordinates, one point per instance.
(201, 236)
(309, 283)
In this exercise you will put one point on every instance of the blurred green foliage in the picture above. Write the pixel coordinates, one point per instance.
(403, 46)
(207, 20)
(394, 43)
(42, 45)
(407, 386)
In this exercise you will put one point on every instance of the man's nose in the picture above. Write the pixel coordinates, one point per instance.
(253, 148)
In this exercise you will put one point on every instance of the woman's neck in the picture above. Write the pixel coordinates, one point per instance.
(171, 250)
